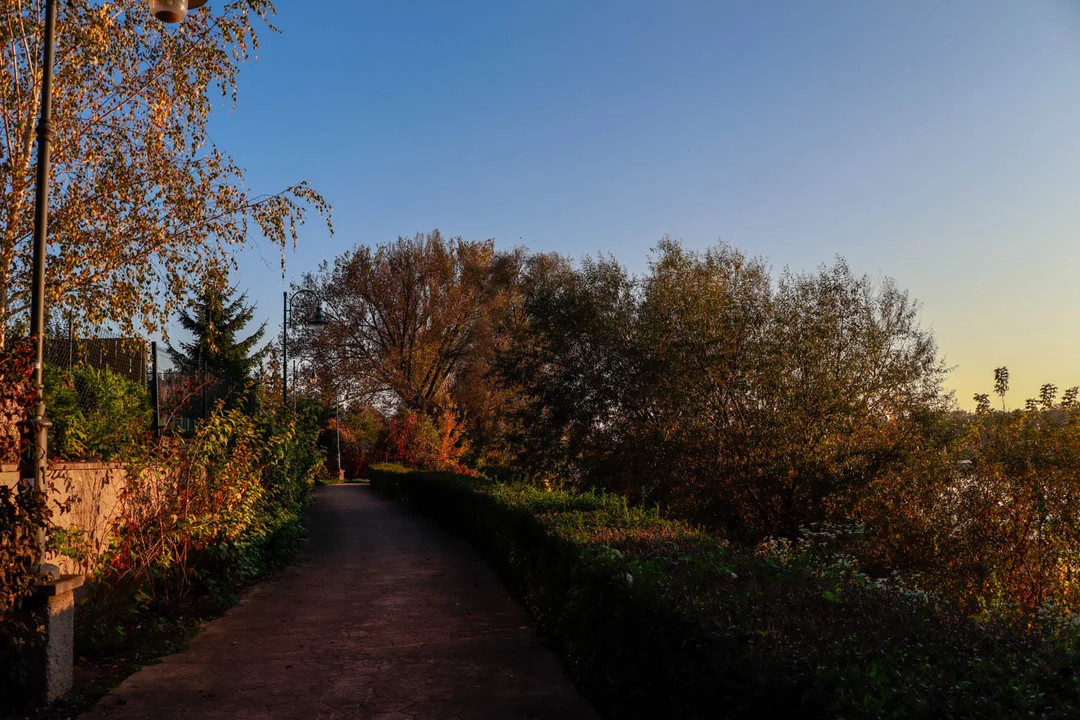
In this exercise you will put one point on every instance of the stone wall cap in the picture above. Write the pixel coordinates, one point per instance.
(69, 465)
(63, 584)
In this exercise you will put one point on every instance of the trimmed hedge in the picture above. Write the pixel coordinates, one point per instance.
(654, 618)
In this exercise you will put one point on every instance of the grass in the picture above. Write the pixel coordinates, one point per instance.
(323, 482)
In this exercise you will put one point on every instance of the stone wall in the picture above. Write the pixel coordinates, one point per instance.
(85, 496)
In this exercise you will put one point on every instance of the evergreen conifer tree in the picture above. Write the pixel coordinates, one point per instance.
(216, 322)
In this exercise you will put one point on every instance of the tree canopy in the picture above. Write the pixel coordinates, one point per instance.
(143, 203)
(409, 316)
(754, 404)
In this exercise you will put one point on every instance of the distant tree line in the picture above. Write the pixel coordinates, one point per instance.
(762, 405)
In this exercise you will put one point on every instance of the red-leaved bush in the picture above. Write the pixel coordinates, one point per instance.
(22, 513)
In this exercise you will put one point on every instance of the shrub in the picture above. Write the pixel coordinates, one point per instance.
(434, 439)
(422, 439)
(199, 517)
(360, 431)
(655, 618)
(16, 396)
(22, 515)
(96, 413)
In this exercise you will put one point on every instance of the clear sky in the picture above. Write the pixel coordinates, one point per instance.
(934, 142)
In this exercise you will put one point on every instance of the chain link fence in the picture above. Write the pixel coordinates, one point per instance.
(175, 399)
(178, 400)
(97, 390)
(123, 356)
(71, 359)
(104, 378)
(104, 391)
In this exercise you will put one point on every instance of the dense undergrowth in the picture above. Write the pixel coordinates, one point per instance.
(199, 518)
(655, 618)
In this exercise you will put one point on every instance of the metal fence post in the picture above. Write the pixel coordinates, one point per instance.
(154, 398)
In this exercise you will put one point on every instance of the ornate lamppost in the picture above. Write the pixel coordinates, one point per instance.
(317, 320)
(33, 463)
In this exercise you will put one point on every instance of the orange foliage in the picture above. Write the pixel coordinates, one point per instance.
(420, 440)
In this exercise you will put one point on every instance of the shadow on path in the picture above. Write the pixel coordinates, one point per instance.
(382, 616)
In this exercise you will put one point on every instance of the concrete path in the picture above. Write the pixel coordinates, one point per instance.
(383, 616)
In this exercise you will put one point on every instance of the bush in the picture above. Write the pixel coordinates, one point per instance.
(360, 430)
(422, 440)
(434, 439)
(21, 628)
(201, 516)
(655, 618)
(22, 514)
(96, 413)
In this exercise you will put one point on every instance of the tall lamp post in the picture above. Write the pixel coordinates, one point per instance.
(33, 463)
(317, 320)
(337, 434)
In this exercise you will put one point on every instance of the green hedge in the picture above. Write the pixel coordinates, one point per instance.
(654, 618)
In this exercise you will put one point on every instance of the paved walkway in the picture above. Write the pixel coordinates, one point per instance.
(383, 616)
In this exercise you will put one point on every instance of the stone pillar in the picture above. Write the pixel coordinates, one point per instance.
(51, 674)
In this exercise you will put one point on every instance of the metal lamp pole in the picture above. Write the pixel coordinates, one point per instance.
(337, 433)
(34, 461)
(316, 320)
(33, 464)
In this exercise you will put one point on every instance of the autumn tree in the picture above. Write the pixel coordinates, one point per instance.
(991, 518)
(571, 362)
(752, 403)
(1008, 529)
(143, 203)
(408, 315)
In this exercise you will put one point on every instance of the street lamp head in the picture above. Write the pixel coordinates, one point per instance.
(318, 319)
(169, 11)
(173, 11)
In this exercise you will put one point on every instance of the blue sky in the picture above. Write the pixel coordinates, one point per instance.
(934, 142)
